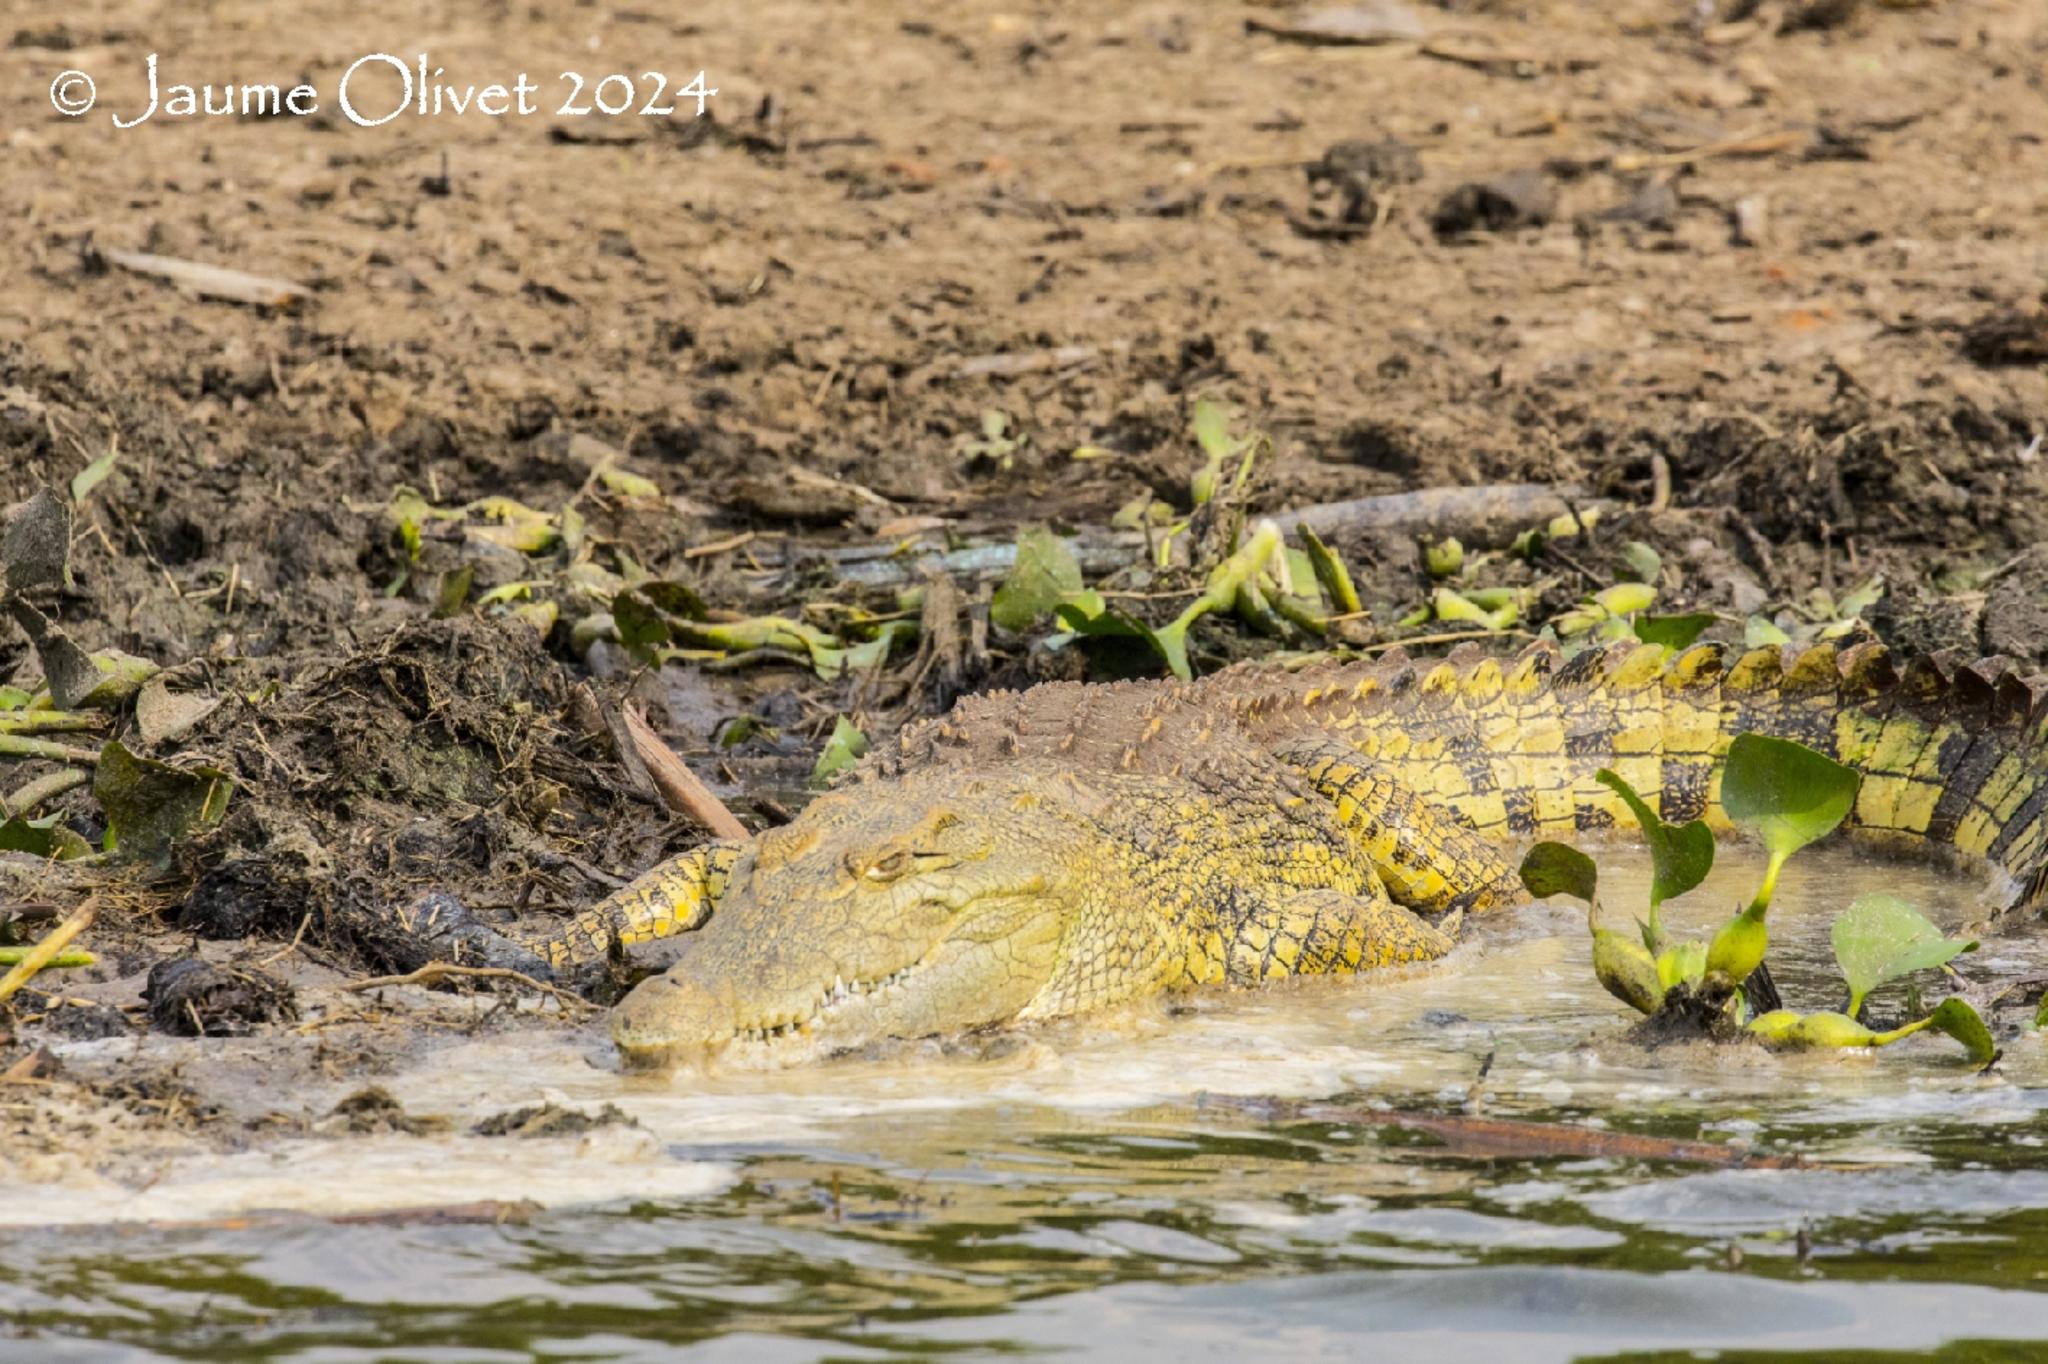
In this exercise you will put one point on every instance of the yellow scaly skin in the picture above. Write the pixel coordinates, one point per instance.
(1068, 848)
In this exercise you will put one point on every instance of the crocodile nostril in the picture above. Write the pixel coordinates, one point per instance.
(668, 1014)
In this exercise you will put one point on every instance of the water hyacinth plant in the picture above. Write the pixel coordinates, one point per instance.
(1790, 796)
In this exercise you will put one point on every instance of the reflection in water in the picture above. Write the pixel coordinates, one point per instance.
(1072, 1191)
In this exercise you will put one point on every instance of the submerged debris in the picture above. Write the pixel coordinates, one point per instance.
(552, 1120)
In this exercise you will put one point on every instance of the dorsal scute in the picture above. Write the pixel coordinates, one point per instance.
(1814, 669)
(1533, 669)
(1758, 670)
(1631, 667)
(1701, 665)
(1581, 672)
(1868, 670)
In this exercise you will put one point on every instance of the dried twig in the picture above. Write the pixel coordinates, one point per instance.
(212, 281)
(435, 971)
(289, 947)
(1447, 637)
(46, 950)
(1660, 483)
(680, 789)
(1749, 145)
(745, 537)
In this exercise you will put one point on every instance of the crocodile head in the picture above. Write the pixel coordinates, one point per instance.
(889, 909)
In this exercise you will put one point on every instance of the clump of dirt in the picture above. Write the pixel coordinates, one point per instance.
(372, 1110)
(551, 1120)
(191, 998)
(75, 1020)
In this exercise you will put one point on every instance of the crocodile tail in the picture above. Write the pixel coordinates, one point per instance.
(1952, 755)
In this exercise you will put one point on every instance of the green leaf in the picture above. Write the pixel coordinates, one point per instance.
(740, 728)
(1758, 632)
(508, 592)
(675, 598)
(93, 474)
(1684, 963)
(121, 676)
(150, 805)
(1880, 937)
(832, 661)
(1681, 855)
(1623, 598)
(1673, 632)
(641, 625)
(1212, 433)
(47, 837)
(1791, 794)
(454, 591)
(1456, 607)
(1330, 572)
(1444, 559)
(13, 698)
(1643, 563)
(841, 751)
(626, 484)
(1862, 599)
(1955, 1017)
(1086, 615)
(1046, 570)
(1559, 869)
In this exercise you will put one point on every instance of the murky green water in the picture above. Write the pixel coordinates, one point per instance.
(1077, 1195)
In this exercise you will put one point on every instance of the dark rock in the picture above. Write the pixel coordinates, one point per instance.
(1523, 198)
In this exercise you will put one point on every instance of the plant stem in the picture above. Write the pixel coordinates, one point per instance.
(1769, 888)
(14, 956)
(14, 746)
(46, 721)
(1884, 1038)
(43, 952)
(29, 795)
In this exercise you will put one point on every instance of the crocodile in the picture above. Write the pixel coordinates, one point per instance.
(1038, 854)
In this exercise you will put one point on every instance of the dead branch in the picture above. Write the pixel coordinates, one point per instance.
(680, 789)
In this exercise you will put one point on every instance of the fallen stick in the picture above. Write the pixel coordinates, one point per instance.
(440, 970)
(213, 281)
(1466, 1135)
(1752, 145)
(680, 789)
(1430, 511)
(46, 951)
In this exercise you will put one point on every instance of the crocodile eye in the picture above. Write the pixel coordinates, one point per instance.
(889, 867)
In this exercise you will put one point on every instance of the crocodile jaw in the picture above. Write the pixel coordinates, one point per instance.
(985, 965)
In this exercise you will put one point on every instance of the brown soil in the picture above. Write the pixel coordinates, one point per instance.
(1415, 265)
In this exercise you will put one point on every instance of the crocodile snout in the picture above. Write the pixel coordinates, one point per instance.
(670, 1014)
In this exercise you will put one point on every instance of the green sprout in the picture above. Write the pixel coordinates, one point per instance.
(1793, 796)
